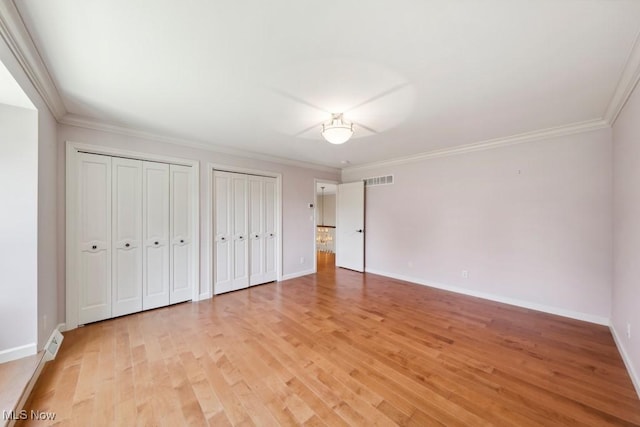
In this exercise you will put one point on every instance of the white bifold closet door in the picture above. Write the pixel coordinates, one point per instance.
(244, 231)
(133, 235)
(93, 262)
(262, 227)
(126, 264)
(231, 271)
(155, 236)
(180, 233)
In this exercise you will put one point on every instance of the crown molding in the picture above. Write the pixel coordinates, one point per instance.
(489, 144)
(627, 83)
(93, 124)
(15, 34)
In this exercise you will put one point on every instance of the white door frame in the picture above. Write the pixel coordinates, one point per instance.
(317, 181)
(211, 167)
(72, 149)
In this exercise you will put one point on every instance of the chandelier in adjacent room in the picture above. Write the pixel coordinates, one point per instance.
(323, 233)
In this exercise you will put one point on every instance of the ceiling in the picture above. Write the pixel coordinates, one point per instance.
(414, 75)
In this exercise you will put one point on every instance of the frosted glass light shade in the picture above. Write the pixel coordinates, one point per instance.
(337, 132)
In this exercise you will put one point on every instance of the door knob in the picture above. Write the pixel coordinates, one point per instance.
(240, 237)
(223, 238)
(156, 243)
(257, 236)
(94, 247)
(359, 231)
(181, 241)
(127, 245)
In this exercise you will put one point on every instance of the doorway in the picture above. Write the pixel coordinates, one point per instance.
(325, 231)
(19, 303)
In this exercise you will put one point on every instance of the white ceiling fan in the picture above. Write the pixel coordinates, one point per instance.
(337, 129)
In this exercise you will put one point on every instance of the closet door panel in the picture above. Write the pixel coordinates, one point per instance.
(270, 227)
(180, 232)
(222, 212)
(126, 236)
(155, 208)
(239, 222)
(94, 237)
(256, 228)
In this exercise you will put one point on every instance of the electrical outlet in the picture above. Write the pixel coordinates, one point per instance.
(301, 260)
(629, 330)
(465, 274)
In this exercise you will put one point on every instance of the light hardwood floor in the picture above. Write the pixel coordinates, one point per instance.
(338, 348)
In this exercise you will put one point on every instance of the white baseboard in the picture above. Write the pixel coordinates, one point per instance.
(635, 379)
(18, 352)
(498, 298)
(297, 274)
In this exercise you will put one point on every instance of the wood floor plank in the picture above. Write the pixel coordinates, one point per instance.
(338, 348)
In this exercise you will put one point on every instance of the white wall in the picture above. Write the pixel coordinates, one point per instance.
(531, 223)
(47, 315)
(18, 228)
(298, 188)
(48, 234)
(626, 283)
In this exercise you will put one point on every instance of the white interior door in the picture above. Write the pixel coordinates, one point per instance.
(180, 232)
(126, 236)
(350, 226)
(94, 237)
(155, 211)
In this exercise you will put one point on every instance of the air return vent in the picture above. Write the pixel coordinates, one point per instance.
(378, 180)
(51, 349)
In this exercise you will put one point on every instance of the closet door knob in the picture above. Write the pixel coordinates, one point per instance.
(156, 243)
(223, 238)
(240, 237)
(257, 236)
(127, 245)
(359, 231)
(181, 241)
(94, 247)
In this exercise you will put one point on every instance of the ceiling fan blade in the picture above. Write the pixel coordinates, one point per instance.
(298, 100)
(378, 96)
(365, 127)
(308, 129)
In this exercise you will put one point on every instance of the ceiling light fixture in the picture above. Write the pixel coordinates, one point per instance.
(337, 131)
